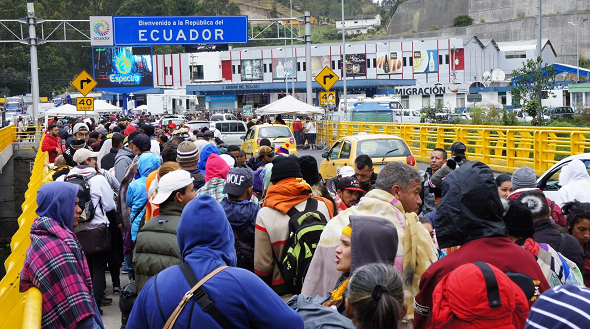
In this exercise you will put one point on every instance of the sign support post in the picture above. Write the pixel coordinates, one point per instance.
(31, 20)
(308, 56)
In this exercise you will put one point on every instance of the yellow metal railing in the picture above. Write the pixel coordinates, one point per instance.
(22, 309)
(503, 148)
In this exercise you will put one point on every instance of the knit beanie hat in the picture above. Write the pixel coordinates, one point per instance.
(285, 167)
(518, 219)
(309, 169)
(187, 154)
(524, 177)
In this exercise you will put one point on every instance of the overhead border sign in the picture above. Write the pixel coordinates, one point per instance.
(179, 30)
(84, 83)
(327, 78)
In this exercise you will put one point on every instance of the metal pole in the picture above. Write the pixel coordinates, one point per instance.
(539, 16)
(294, 60)
(578, 52)
(31, 20)
(344, 61)
(308, 56)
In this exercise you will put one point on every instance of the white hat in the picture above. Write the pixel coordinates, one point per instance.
(346, 171)
(171, 182)
(82, 154)
(229, 160)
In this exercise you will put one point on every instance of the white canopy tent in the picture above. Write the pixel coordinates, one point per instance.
(67, 110)
(489, 104)
(102, 106)
(289, 105)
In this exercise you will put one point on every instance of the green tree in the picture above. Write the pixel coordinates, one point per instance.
(527, 82)
(463, 20)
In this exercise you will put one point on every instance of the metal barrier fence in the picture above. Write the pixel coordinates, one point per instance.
(22, 310)
(503, 148)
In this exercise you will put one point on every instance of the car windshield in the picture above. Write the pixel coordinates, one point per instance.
(274, 132)
(178, 122)
(378, 148)
(198, 125)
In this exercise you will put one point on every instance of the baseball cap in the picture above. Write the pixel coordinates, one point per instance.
(171, 182)
(142, 141)
(208, 134)
(79, 126)
(458, 147)
(346, 171)
(350, 183)
(238, 180)
(263, 150)
(82, 154)
(172, 125)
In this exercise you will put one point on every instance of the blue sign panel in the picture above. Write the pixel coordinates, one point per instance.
(180, 30)
(221, 98)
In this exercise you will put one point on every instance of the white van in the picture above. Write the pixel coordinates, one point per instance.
(231, 131)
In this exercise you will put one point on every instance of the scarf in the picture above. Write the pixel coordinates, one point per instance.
(286, 194)
(419, 254)
(337, 294)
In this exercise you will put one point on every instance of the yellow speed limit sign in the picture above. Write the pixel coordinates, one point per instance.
(85, 104)
(327, 98)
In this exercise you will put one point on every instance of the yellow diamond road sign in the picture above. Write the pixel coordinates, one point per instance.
(84, 83)
(327, 98)
(327, 78)
(85, 104)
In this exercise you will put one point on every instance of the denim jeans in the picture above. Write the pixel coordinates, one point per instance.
(97, 264)
(128, 264)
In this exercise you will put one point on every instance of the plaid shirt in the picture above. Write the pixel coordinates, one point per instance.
(57, 266)
(214, 187)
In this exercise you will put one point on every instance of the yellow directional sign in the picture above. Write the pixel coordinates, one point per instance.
(84, 83)
(327, 98)
(327, 78)
(85, 104)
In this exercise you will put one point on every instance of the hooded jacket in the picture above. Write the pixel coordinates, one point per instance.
(203, 158)
(546, 233)
(215, 175)
(206, 242)
(137, 192)
(51, 145)
(575, 182)
(55, 262)
(156, 248)
(242, 217)
(123, 160)
(470, 216)
(108, 161)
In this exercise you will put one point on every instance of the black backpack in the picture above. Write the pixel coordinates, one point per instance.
(85, 203)
(305, 229)
(244, 253)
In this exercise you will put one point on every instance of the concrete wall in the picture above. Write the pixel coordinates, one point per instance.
(555, 28)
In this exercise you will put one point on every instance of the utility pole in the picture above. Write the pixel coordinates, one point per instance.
(343, 66)
(578, 46)
(32, 21)
(539, 62)
(308, 78)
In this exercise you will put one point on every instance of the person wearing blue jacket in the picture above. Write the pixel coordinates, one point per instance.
(205, 153)
(137, 193)
(206, 243)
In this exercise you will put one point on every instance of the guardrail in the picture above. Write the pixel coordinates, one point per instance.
(503, 148)
(22, 309)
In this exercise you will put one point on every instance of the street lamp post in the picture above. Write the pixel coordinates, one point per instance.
(343, 65)
(578, 46)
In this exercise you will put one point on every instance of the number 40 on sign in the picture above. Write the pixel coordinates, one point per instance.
(328, 98)
(85, 104)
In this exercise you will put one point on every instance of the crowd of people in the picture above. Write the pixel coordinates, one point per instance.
(211, 239)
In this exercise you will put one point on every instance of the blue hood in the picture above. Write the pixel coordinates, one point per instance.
(205, 153)
(240, 214)
(57, 200)
(208, 241)
(147, 163)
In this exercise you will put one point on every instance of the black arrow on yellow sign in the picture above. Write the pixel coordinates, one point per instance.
(328, 77)
(84, 81)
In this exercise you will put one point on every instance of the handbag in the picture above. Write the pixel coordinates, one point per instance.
(95, 240)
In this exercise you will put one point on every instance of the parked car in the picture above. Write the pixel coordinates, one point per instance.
(523, 116)
(231, 131)
(198, 124)
(561, 112)
(176, 118)
(278, 135)
(223, 117)
(549, 181)
(381, 148)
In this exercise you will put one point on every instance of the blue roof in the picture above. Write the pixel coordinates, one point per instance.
(371, 107)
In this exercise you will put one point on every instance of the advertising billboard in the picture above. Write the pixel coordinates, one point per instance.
(425, 61)
(390, 62)
(283, 68)
(101, 30)
(251, 69)
(318, 63)
(356, 65)
(116, 67)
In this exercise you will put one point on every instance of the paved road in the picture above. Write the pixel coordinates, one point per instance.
(112, 315)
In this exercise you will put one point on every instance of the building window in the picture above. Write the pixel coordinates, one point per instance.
(298, 66)
(515, 54)
(233, 69)
(425, 100)
(405, 61)
(502, 97)
(197, 72)
(239, 69)
(438, 101)
(411, 61)
(339, 64)
(405, 102)
(374, 62)
(440, 59)
(368, 63)
(356, 22)
(304, 66)
(447, 58)
(264, 68)
(333, 65)
(460, 100)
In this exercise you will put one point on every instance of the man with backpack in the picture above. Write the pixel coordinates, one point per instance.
(241, 213)
(96, 200)
(288, 201)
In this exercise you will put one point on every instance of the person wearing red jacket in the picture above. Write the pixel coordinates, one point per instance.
(52, 143)
(470, 215)
(298, 132)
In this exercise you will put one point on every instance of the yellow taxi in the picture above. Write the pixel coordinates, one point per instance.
(279, 136)
(381, 148)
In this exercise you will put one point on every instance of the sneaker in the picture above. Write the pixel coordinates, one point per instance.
(124, 271)
(106, 301)
(116, 290)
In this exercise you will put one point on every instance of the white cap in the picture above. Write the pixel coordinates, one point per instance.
(346, 171)
(82, 154)
(171, 182)
(229, 160)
